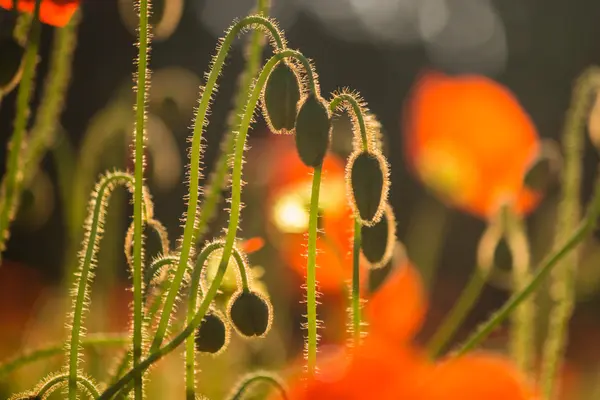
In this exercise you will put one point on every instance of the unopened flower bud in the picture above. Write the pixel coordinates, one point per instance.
(212, 336)
(250, 313)
(313, 127)
(280, 98)
(377, 241)
(368, 183)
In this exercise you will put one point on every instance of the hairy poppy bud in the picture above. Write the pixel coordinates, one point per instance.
(377, 241)
(250, 313)
(368, 183)
(10, 64)
(313, 126)
(280, 98)
(212, 336)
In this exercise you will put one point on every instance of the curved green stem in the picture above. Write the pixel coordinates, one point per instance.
(350, 102)
(10, 188)
(138, 237)
(216, 180)
(93, 340)
(255, 378)
(195, 289)
(49, 386)
(562, 289)
(175, 342)
(194, 170)
(583, 230)
(94, 228)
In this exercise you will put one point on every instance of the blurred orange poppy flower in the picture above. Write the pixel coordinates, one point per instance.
(288, 199)
(52, 12)
(468, 139)
(386, 365)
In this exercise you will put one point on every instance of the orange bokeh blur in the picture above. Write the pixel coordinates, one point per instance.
(468, 139)
(52, 12)
(288, 199)
(388, 366)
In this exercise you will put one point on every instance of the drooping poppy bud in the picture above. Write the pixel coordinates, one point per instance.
(11, 67)
(543, 172)
(313, 127)
(368, 183)
(280, 98)
(212, 336)
(377, 241)
(250, 313)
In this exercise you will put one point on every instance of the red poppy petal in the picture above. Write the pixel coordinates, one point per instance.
(52, 12)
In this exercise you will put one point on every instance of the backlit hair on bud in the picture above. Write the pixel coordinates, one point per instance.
(367, 185)
(251, 313)
(377, 243)
(280, 97)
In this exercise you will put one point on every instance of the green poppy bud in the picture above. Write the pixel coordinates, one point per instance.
(11, 66)
(377, 241)
(280, 98)
(313, 126)
(368, 183)
(212, 336)
(250, 313)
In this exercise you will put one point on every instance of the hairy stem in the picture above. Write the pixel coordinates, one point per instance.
(191, 215)
(11, 186)
(356, 311)
(250, 380)
(139, 141)
(562, 288)
(585, 227)
(311, 275)
(216, 181)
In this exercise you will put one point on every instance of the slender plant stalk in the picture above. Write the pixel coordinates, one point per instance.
(364, 138)
(562, 289)
(141, 90)
(356, 311)
(311, 275)
(467, 299)
(191, 214)
(194, 291)
(584, 229)
(94, 228)
(216, 180)
(11, 186)
(522, 337)
(53, 98)
(234, 215)
(93, 340)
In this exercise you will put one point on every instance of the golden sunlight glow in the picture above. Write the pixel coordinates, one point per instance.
(290, 214)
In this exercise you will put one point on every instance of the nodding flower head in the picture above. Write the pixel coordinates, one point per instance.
(212, 336)
(280, 98)
(313, 128)
(251, 313)
(468, 140)
(52, 12)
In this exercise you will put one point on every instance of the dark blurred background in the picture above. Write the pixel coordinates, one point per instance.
(534, 47)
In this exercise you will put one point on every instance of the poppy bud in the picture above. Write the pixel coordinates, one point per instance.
(313, 126)
(543, 172)
(280, 98)
(368, 184)
(212, 336)
(250, 313)
(10, 64)
(377, 241)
